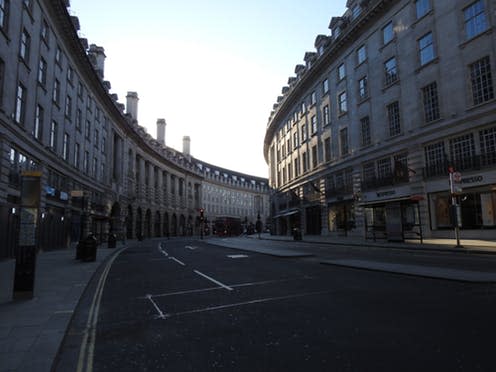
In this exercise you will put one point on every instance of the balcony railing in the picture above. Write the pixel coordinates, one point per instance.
(467, 163)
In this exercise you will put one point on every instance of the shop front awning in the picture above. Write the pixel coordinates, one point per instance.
(287, 213)
(373, 203)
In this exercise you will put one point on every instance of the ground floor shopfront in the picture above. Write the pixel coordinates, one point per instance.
(404, 212)
(476, 197)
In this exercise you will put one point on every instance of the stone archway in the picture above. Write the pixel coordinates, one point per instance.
(190, 226)
(182, 225)
(157, 224)
(129, 222)
(174, 225)
(139, 223)
(166, 224)
(148, 222)
(115, 224)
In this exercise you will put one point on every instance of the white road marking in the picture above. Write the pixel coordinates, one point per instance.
(160, 313)
(86, 351)
(161, 250)
(179, 262)
(182, 292)
(217, 288)
(261, 300)
(237, 256)
(190, 247)
(64, 312)
(213, 280)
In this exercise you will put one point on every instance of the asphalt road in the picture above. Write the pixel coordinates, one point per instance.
(186, 305)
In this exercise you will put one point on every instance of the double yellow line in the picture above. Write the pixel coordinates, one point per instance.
(86, 351)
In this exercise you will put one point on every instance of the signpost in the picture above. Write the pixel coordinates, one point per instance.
(455, 178)
(26, 252)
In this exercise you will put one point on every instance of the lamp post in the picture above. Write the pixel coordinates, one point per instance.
(455, 206)
(259, 225)
(201, 222)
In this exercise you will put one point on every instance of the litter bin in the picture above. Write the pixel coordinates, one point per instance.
(112, 241)
(89, 250)
(79, 250)
(296, 234)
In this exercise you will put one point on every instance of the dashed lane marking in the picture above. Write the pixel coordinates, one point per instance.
(237, 256)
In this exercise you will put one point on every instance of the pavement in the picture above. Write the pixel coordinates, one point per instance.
(432, 244)
(32, 330)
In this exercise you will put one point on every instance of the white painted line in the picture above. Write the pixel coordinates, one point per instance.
(179, 262)
(190, 247)
(182, 292)
(161, 250)
(268, 282)
(237, 256)
(161, 315)
(213, 280)
(238, 304)
(217, 288)
(86, 350)
(64, 312)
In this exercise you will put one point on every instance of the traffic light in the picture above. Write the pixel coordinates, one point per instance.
(201, 214)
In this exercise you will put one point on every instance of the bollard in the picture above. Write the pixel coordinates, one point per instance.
(112, 241)
(89, 248)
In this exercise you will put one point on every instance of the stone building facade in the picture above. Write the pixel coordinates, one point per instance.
(234, 195)
(363, 138)
(100, 171)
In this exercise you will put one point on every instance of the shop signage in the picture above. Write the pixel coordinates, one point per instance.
(50, 190)
(77, 193)
(473, 179)
(386, 193)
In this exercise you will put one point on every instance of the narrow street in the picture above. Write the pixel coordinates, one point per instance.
(180, 305)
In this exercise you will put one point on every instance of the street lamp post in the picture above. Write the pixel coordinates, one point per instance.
(455, 206)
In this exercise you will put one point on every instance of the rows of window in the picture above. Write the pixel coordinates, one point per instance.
(291, 157)
(62, 138)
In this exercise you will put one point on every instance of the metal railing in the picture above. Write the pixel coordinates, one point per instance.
(466, 163)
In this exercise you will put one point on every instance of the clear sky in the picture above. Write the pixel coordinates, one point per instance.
(212, 69)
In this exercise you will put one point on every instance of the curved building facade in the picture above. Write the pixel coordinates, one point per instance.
(396, 103)
(99, 171)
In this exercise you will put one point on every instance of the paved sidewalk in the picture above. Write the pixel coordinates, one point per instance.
(353, 256)
(32, 330)
(468, 245)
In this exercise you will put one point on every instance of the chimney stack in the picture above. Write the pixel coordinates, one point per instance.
(97, 56)
(186, 146)
(161, 131)
(132, 104)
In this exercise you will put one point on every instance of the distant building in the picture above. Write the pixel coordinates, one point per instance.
(101, 172)
(234, 195)
(362, 138)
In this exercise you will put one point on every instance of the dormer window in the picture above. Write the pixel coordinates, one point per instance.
(356, 11)
(336, 32)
